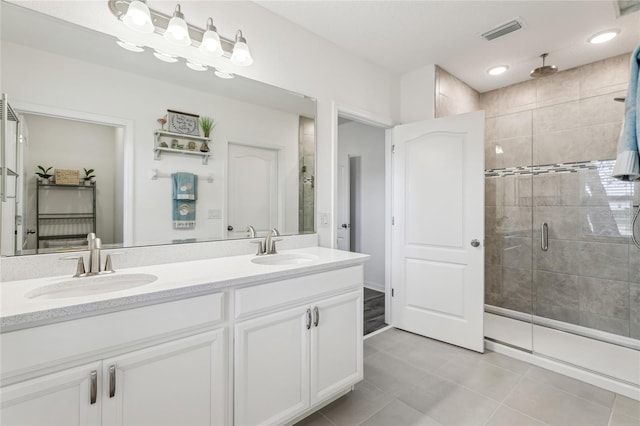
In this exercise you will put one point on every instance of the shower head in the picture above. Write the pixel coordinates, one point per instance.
(544, 70)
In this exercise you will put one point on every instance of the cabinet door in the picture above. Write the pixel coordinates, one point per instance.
(272, 368)
(177, 383)
(62, 398)
(336, 345)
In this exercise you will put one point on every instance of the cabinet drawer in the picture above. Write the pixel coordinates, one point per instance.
(264, 297)
(48, 345)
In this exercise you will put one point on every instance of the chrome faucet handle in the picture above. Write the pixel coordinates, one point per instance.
(252, 231)
(108, 265)
(79, 267)
(261, 247)
(272, 249)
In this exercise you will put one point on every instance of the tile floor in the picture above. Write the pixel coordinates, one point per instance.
(412, 380)
(373, 310)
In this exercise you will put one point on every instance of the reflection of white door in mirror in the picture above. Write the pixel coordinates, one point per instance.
(344, 240)
(252, 189)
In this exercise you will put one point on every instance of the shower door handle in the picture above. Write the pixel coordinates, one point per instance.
(544, 237)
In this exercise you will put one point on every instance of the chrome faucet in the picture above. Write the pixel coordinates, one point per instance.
(94, 245)
(270, 241)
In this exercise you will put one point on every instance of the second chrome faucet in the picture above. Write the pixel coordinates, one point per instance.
(268, 245)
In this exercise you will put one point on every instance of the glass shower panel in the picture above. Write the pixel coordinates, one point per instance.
(508, 229)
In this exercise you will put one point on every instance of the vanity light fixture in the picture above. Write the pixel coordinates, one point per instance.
(603, 36)
(129, 46)
(177, 32)
(497, 70)
(241, 54)
(137, 16)
(210, 44)
(165, 57)
(196, 66)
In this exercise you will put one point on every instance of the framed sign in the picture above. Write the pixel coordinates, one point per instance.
(184, 123)
(67, 177)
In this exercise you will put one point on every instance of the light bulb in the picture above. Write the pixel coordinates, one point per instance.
(210, 44)
(177, 32)
(241, 54)
(138, 17)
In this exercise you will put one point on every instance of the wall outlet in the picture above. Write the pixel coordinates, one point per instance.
(214, 214)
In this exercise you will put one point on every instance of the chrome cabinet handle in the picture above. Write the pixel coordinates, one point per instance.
(308, 319)
(544, 237)
(316, 314)
(112, 381)
(94, 387)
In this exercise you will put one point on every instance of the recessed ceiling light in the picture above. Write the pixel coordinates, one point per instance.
(222, 74)
(196, 67)
(603, 36)
(165, 57)
(129, 46)
(497, 70)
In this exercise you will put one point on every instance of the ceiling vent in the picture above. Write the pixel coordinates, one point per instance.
(504, 29)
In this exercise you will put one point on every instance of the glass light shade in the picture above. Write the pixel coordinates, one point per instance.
(177, 32)
(241, 55)
(130, 46)
(196, 66)
(223, 74)
(138, 17)
(165, 57)
(210, 45)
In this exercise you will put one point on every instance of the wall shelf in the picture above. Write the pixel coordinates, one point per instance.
(158, 150)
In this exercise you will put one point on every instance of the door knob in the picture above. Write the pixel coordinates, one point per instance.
(346, 225)
(475, 243)
(229, 228)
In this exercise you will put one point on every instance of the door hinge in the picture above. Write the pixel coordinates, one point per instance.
(393, 220)
(393, 149)
(392, 292)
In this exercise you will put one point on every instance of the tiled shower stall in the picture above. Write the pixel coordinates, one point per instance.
(550, 146)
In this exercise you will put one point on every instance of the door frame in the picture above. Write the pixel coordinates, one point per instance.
(364, 117)
(127, 126)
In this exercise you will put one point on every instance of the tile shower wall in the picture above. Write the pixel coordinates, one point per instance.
(569, 124)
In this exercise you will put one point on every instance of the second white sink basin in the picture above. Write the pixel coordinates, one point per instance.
(88, 286)
(284, 259)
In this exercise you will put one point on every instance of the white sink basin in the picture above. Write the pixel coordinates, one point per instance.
(88, 286)
(284, 259)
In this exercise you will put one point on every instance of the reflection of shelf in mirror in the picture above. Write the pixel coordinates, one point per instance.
(205, 155)
(182, 136)
(57, 216)
(62, 237)
(9, 172)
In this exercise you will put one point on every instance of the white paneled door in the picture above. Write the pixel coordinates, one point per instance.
(438, 231)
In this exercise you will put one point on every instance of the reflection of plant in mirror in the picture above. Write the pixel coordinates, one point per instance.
(88, 175)
(44, 173)
(207, 124)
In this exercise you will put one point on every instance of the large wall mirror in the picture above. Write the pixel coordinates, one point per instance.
(86, 103)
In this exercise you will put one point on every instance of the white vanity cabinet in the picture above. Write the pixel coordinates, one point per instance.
(159, 369)
(63, 398)
(288, 361)
(178, 383)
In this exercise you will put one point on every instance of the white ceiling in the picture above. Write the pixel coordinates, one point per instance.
(402, 36)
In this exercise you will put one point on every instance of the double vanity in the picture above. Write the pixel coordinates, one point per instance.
(241, 340)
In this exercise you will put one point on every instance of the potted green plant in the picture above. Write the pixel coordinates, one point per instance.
(207, 124)
(88, 175)
(44, 175)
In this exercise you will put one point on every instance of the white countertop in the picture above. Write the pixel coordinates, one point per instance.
(175, 281)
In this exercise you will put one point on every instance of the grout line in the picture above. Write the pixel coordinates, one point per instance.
(379, 410)
(328, 419)
(612, 408)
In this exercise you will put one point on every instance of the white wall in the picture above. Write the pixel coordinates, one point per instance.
(105, 91)
(285, 55)
(68, 144)
(367, 142)
(417, 90)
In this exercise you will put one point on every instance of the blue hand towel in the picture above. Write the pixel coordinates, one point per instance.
(185, 186)
(628, 159)
(185, 194)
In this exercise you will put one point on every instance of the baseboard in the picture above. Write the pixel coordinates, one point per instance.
(587, 376)
(374, 286)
